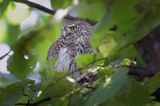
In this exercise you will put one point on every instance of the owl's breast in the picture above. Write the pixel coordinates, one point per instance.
(68, 52)
(63, 60)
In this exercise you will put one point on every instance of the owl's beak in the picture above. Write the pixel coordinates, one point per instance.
(64, 33)
(67, 31)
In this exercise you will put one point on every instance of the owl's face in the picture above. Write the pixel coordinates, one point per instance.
(76, 28)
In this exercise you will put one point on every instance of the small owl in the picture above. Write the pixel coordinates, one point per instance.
(74, 40)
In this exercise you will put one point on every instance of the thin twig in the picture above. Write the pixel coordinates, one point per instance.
(40, 7)
(34, 104)
(94, 59)
(6, 54)
(21, 104)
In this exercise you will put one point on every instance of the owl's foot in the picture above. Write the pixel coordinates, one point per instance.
(86, 79)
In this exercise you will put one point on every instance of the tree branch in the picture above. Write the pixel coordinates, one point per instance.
(52, 12)
(37, 6)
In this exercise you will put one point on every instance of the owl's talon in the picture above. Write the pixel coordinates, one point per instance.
(85, 80)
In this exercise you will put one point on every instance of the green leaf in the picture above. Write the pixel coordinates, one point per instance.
(131, 53)
(60, 3)
(4, 82)
(21, 63)
(59, 89)
(84, 59)
(115, 17)
(99, 36)
(32, 90)
(85, 10)
(89, 59)
(153, 83)
(106, 72)
(12, 34)
(57, 102)
(58, 84)
(141, 26)
(131, 26)
(114, 102)
(109, 89)
(10, 95)
(135, 95)
(138, 96)
(77, 100)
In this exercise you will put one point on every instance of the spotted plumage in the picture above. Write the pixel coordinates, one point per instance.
(74, 40)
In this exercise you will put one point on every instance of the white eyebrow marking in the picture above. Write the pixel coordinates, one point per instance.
(71, 25)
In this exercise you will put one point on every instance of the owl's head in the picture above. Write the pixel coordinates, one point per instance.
(77, 26)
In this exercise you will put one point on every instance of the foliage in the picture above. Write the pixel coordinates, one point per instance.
(120, 24)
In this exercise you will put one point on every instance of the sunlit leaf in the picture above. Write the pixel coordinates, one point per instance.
(3, 30)
(84, 59)
(106, 72)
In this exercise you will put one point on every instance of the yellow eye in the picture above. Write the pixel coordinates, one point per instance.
(73, 28)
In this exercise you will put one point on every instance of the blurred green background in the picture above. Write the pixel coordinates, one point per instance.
(26, 76)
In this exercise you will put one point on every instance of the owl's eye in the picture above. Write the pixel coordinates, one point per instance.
(73, 28)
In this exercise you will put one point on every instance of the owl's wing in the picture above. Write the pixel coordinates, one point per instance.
(54, 49)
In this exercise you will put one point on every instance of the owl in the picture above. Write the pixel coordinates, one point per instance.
(73, 41)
